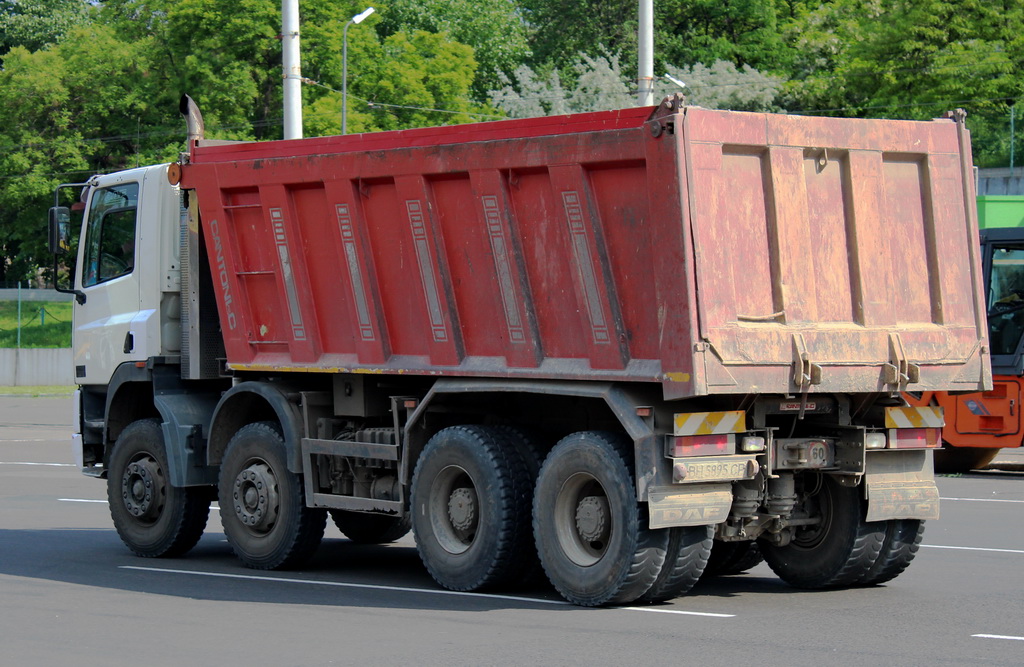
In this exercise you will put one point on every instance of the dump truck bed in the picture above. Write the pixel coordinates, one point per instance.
(709, 251)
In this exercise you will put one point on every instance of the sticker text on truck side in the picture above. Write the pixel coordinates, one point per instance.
(423, 257)
(348, 240)
(503, 268)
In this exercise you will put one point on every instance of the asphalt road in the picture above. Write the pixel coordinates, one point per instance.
(72, 594)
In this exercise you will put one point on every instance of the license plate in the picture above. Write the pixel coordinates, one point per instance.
(713, 470)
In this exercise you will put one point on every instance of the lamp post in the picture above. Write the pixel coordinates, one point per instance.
(358, 18)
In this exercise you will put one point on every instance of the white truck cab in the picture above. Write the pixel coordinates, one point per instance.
(128, 274)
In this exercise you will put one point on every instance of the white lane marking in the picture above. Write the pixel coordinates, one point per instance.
(984, 500)
(342, 584)
(213, 506)
(1002, 551)
(4, 440)
(399, 589)
(33, 463)
(1019, 639)
(678, 611)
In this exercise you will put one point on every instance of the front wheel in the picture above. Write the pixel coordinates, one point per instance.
(262, 503)
(153, 518)
(839, 550)
(592, 539)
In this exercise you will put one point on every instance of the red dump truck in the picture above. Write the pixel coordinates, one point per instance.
(616, 343)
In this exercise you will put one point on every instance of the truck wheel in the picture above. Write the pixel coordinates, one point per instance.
(262, 503)
(686, 557)
(732, 558)
(839, 551)
(902, 540)
(364, 528)
(470, 508)
(153, 518)
(587, 524)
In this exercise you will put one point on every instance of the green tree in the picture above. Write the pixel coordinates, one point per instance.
(65, 104)
(34, 24)
(494, 28)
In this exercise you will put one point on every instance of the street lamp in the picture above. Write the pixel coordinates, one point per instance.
(668, 77)
(358, 18)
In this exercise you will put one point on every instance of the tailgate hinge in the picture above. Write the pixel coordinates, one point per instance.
(899, 371)
(805, 372)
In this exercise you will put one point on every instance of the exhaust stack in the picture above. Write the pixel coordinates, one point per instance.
(193, 119)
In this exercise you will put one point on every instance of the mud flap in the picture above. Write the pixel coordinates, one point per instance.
(691, 505)
(901, 485)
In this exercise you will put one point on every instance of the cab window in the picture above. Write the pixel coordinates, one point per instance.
(1006, 299)
(110, 234)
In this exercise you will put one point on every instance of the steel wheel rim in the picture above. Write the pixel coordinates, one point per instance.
(582, 519)
(143, 488)
(454, 509)
(811, 537)
(256, 498)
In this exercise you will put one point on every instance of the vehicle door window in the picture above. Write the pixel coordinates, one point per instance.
(110, 234)
(1006, 300)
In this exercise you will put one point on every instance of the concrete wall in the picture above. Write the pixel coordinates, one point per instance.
(33, 295)
(42, 366)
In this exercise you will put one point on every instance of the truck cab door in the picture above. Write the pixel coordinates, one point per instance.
(108, 275)
(1003, 264)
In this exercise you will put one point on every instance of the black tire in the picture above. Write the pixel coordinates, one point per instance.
(592, 542)
(732, 558)
(902, 540)
(528, 446)
(364, 528)
(953, 460)
(685, 559)
(469, 509)
(262, 503)
(153, 518)
(835, 553)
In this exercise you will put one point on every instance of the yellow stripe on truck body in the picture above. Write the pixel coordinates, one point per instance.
(710, 423)
(926, 417)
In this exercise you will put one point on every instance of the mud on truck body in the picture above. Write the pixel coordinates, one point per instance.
(622, 348)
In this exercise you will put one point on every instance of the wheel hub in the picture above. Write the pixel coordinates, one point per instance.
(141, 489)
(592, 518)
(255, 497)
(462, 508)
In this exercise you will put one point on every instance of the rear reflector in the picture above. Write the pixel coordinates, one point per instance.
(703, 445)
(915, 438)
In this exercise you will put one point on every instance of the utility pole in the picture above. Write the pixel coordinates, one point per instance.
(645, 53)
(291, 69)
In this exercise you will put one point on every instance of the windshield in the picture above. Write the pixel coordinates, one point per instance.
(1006, 299)
(110, 234)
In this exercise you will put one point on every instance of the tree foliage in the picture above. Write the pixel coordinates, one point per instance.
(33, 24)
(92, 85)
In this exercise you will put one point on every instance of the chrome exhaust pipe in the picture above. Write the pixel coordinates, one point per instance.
(193, 119)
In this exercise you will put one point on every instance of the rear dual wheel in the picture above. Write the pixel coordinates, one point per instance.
(840, 550)
(470, 507)
(591, 535)
(902, 540)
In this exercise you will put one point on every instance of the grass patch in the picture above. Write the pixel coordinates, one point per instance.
(43, 324)
(43, 390)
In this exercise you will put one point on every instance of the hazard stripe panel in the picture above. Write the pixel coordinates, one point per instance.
(926, 417)
(710, 423)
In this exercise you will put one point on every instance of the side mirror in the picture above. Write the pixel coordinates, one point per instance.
(60, 230)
